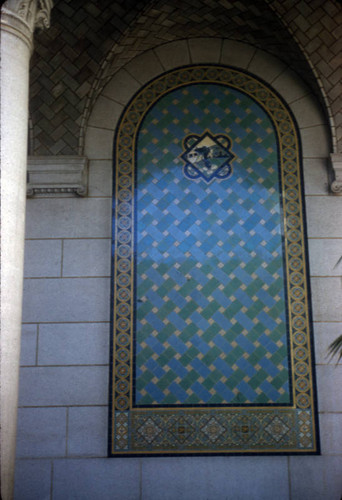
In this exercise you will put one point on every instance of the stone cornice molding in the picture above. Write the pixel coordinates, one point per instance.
(57, 175)
(336, 165)
(22, 17)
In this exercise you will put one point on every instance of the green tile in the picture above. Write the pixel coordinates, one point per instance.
(189, 379)
(188, 310)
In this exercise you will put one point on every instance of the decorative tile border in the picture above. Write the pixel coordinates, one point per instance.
(223, 429)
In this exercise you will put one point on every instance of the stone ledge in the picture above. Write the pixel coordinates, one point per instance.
(57, 175)
(336, 166)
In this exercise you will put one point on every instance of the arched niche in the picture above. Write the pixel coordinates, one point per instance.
(312, 133)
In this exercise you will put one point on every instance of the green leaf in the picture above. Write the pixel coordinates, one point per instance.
(335, 348)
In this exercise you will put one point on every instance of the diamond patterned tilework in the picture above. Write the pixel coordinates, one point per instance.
(211, 324)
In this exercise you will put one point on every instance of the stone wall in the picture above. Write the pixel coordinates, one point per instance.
(62, 434)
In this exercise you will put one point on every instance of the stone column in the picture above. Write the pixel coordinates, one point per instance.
(19, 18)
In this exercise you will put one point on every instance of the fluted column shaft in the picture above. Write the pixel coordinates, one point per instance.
(18, 21)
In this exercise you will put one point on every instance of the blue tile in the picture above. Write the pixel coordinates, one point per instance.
(178, 392)
(200, 368)
(226, 394)
(154, 391)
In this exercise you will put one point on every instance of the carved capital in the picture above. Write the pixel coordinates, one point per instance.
(43, 14)
(336, 166)
(22, 17)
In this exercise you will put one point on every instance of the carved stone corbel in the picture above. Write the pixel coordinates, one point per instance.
(43, 14)
(336, 167)
(57, 176)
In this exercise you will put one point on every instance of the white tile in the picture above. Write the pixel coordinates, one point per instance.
(32, 480)
(329, 383)
(315, 141)
(221, 478)
(325, 257)
(63, 386)
(290, 86)
(121, 87)
(266, 66)
(205, 50)
(144, 67)
(306, 109)
(73, 344)
(95, 479)
(42, 258)
(41, 432)
(327, 299)
(90, 421)
(98, 143)
(86, 257)
(316, 176)
(69, 218)
(66, 300)
(28, 346)
(105, 113)
(316, 478)
(237, 53)
(100, 178)
(324, 215)
(331, 433)
(173, 54)
(325, 334)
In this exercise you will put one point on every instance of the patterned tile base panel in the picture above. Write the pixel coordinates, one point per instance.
(211, 341)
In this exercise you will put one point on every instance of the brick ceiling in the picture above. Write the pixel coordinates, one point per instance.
(90, 40)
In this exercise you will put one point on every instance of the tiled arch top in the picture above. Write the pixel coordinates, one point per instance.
(126, 82)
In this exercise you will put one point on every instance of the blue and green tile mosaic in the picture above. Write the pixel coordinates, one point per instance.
(209, 258)
(211, 327)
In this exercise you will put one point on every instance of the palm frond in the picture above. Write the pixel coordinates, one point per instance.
(335, 348)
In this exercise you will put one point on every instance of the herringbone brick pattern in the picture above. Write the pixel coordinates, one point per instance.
(88, 42)
(317, 26)
(252, 21)
(65, 60)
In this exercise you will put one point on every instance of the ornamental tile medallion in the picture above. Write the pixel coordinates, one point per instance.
(211, 345)
(207, 157)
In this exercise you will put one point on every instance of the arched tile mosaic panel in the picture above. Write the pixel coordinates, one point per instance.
(211, 332)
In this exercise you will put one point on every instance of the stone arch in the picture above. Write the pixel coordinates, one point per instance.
(259, 26)
(312, 122)
(320, 55)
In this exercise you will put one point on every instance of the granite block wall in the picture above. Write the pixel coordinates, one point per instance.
(62, 430)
